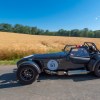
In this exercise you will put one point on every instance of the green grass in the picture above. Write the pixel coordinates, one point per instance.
(8, 62)
(13, 62)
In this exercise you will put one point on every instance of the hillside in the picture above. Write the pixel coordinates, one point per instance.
(14, 45)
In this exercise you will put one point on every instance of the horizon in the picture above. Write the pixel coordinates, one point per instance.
(52, 15)
(47, 29)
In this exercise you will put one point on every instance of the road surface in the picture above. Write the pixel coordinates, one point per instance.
(73, 87)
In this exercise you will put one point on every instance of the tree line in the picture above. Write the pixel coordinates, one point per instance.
(18, 28)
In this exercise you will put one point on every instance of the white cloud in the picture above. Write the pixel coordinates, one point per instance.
(97, 17)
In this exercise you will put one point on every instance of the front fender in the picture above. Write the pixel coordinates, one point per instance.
(30, 63)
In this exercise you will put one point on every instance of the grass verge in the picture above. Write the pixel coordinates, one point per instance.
(8, 62)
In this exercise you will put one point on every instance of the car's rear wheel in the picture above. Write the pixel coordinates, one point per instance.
(26, 75)
(97, 70)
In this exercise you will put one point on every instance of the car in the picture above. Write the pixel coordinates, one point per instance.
(72, 57)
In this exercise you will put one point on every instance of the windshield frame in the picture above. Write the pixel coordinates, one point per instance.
(70, 48)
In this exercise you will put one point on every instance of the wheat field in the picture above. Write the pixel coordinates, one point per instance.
(14, 45)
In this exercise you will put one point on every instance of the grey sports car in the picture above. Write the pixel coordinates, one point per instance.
(72, 57)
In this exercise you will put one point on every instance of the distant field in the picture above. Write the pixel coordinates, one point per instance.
(14, 46)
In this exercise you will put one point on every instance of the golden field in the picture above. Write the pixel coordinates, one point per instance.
(14, 45)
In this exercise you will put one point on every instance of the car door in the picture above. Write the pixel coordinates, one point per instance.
(79, 56)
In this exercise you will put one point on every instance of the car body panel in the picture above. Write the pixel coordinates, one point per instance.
(76, 57)
(63, 64)
(51, 55)
(62, 59)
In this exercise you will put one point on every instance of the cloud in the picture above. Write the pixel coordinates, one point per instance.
(97, 17)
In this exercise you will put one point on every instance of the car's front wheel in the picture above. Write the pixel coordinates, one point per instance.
(27, 74)
(97, 70)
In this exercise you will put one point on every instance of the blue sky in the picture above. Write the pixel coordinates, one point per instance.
(52, 14)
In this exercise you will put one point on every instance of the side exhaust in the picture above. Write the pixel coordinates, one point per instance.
(56, 72)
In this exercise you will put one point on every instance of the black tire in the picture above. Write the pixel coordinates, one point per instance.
(27, 75)
(91, 73)
(97, 70)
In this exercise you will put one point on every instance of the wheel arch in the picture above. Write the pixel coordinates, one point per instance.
(39, 63)
(31, 63)
(95, 64)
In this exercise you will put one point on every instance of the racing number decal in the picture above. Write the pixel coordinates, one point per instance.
(52, 65)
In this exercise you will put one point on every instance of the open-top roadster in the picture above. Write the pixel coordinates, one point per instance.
(72, 57)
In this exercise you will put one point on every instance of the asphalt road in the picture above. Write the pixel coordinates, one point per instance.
(73, 87)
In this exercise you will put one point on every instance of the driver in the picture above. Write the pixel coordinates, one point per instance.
(92, 49)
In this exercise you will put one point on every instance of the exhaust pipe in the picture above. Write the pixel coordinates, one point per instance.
(56, 72)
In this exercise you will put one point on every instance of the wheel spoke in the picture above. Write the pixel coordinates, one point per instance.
(27, 74)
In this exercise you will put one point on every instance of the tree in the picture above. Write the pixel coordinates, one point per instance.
(97, 34)
(62, 32)
(91, 34)
(26, 30)
(6, 27)
(85, 32)
(75, 32)
(18, 28)
(34, 30)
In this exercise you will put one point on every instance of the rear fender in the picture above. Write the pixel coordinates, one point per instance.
(31, 63)
(95, 64)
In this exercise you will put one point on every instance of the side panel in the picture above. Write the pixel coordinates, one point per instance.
(60, 64)
(67, 64)
(80, 60)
